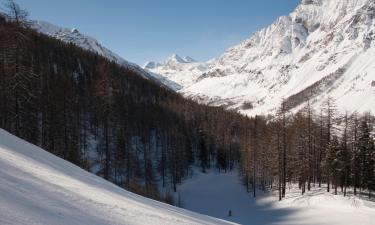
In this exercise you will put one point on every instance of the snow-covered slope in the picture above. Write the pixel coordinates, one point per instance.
(37, 187)
(323, 48)
(215, 194)
(184, 71)
(74, 36)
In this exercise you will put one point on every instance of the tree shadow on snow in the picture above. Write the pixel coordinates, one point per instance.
(261, 213)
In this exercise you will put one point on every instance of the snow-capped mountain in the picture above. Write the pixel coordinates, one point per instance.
(323, 48)
(184, 71)
(189, 59)
(74, 36)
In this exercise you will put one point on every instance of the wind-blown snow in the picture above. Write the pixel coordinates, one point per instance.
(215, 193)
(323, 48)
(37, 187)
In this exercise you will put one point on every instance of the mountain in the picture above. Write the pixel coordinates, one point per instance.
(44, 189)
(183, 71)
(174, 58)
(74, 36)
(323, 48)
(189, 59)
(151, 65)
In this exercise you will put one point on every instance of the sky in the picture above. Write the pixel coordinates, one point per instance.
(152, 30)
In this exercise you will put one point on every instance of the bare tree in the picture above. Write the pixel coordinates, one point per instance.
(330, 111)
(15, 13)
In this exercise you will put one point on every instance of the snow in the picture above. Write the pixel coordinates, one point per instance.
(175, 58)
(91, 44)
(151, 65)
(215, 193)
(74, 36)
(37, 187)
(188, 59)
(292, 56)
(182, 71)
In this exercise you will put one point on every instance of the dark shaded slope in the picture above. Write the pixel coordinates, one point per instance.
(106, 118)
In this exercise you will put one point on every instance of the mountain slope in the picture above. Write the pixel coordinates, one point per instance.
(183, 71)
(323, 48)
(39, 188)
(107, 119)
(88, 43)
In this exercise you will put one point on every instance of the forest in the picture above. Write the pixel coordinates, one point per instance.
(146, 138)
(105, 118)
(310, 148)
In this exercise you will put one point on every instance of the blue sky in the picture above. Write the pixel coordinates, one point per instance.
(145, 30)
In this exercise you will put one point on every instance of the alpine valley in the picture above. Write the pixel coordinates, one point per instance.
(279, 129)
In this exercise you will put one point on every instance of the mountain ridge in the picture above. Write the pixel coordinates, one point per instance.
(181, 70)
(289, 57)
(74, 36)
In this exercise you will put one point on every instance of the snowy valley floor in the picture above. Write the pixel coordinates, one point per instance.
(215, 193)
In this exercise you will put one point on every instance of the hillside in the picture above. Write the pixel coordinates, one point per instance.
(323, 48)
(107, 118)
(74, 36)
(37, 187)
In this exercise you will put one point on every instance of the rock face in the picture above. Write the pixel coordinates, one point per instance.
(323, 48)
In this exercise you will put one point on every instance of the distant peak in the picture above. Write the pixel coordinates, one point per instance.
(189, 59)
(311, 2)
(175, 58)
(151, 65)
(172, 60)
(74, 30)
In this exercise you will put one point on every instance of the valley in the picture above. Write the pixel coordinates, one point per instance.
(278, 129)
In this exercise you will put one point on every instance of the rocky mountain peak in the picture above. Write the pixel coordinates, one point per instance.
(322, 48)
